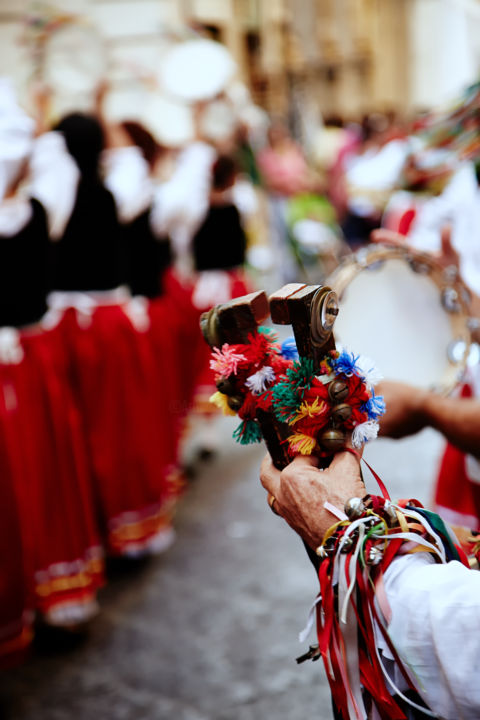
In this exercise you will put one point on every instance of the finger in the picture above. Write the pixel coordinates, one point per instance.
(269, 476)
(300, 461)
(448, 251)
(388, 237)
(356, 451)
(347, 461)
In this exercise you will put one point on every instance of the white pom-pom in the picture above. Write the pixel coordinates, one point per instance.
(258, 382)
(369, 371)
(364, 432)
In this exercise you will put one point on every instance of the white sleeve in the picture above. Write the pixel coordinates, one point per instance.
(53, 180)
(183, 199)
(435, 628)
(127, 177)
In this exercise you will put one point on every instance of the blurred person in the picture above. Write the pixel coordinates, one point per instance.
(457, 496)
(285, 174)
(105, 332)
(43, 450)
(371, 173)
(148, 256)
(438, 190)
(422, 662)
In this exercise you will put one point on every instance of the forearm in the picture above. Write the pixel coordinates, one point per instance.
(458, 419)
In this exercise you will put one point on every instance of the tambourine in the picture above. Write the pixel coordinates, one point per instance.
(407, 313)
(196, 70)
(74, 64)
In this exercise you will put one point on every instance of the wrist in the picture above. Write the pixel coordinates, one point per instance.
(422, 408)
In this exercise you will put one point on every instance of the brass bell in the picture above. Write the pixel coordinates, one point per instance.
(235, 402)
(340, 413)
(354, 508)
(225, 386)
(332, 440)
(337, 391)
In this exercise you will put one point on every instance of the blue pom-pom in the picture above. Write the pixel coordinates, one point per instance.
(375, 406)
(289, 349)
(346, 364)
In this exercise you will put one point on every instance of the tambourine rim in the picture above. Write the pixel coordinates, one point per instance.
(356, 263)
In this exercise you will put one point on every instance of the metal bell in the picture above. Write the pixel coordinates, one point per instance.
(225, 386)
(390, 514)
(337, 391)
(332, 440)
(354, 508)
(321, 552)
(341, 413)
(375, 556)
(347, 544)
(235, 402)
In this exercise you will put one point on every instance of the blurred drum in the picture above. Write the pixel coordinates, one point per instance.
(197, 70)
(74, 65)
(405, 312)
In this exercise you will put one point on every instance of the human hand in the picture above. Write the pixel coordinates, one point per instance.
(405, 409)
(301, 490)
(446, 257)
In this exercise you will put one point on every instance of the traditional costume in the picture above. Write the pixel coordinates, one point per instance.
(112, 362)
(43, 452)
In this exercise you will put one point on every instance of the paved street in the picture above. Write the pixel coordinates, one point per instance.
(209, 630)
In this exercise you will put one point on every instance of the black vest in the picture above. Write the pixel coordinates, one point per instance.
(23, 271)
(220, 241)
(91, 253)
(147, 257)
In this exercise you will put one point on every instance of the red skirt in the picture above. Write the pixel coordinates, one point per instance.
(130, 441)
(51, 477)
(16, 566)
(196, 352)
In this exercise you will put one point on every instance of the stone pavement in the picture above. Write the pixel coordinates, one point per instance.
(207, 631)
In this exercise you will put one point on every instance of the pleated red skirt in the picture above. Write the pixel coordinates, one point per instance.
(197, 353)
(46, 453)
(130, 440)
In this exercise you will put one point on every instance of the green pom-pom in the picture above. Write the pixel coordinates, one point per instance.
(248, 432)
(288, 395)
(301, 374)
(285, 401)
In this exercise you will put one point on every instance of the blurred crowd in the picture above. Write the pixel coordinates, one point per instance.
(112, 245)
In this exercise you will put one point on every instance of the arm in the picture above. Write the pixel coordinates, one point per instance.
(411, 409)
(434, 608)
(434, 627)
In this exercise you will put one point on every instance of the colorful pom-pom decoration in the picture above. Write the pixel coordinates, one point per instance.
(337, 396)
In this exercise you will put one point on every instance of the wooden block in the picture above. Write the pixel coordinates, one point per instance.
(239, 317)
(275, 434)
(233, 321)
(299, 308)
(278, 303)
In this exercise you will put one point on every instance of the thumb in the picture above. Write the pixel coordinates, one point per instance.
(448, 251)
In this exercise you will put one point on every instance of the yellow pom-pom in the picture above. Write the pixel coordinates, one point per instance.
(220, 400)
(318, 407)
(301, 444)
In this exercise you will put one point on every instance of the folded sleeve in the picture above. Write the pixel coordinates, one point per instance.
(434, 626)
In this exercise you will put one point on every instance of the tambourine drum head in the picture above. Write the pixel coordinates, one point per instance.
(75, 60)
(197, 70)
(394, 316)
